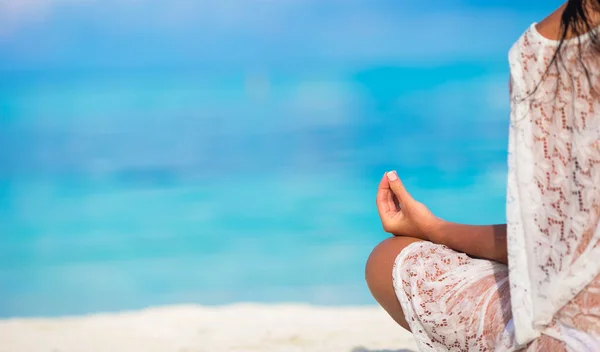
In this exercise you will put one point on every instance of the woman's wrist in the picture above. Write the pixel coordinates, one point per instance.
(436, 232)
(482, 241)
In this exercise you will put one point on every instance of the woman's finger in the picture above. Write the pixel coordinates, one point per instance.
(397, 187)
(384, 194)
(394, 203)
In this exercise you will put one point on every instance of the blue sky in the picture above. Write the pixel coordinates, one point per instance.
(168, 82)
(114, 33)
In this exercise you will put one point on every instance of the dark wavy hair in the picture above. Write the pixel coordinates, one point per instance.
(579, 17)
(576, 19)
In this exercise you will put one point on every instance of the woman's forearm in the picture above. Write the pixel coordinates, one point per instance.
(486, 241)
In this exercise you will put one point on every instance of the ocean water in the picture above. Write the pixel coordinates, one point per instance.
(122, 190)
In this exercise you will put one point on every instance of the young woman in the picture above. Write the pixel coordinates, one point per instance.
(533, 283)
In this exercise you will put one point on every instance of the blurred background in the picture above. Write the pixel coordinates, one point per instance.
(178, 151)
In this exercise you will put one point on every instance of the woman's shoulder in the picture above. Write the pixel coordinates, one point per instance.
(549, 27)
(545, 36)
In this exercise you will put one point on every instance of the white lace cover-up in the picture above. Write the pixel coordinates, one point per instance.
(548, 298)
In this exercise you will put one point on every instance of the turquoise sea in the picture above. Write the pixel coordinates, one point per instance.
(125, 190)
(212, 152)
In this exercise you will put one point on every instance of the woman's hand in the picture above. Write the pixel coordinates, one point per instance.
(401, 214)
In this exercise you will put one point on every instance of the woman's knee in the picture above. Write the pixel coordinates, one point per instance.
(381, 260)
(378, 274)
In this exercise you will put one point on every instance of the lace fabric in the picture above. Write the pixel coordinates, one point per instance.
(553, 193)
(548, 298)
(453, 302)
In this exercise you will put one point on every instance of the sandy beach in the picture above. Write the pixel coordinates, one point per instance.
(244, 327)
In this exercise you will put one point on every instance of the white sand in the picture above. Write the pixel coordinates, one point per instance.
(245, 327)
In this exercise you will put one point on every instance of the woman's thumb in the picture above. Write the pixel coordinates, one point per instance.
(397, 186)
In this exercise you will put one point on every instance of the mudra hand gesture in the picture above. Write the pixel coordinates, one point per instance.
(401, 214)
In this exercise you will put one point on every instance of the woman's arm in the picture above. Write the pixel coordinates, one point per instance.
(486, 241)
(402, 215)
